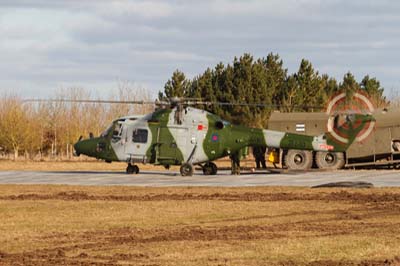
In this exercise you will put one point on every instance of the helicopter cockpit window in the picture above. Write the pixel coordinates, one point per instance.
(117, 133)
(139, 135)
(107, 131)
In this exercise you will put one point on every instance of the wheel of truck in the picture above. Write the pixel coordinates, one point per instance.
(298, 159)
(329, 160)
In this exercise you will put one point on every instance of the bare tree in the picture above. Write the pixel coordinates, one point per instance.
(13, 124)
(53, 127)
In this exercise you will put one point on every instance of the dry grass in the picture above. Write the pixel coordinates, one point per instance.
(198, 226)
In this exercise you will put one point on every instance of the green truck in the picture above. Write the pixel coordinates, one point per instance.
(378, 144)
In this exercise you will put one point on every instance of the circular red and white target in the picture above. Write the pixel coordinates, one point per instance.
(359, 103)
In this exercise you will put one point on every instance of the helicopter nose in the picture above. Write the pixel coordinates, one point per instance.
(78, 148)
(87, 147)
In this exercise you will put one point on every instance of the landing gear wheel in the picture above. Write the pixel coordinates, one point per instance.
(329, 160)
(186, 169)
(299, 159)
(132, 169)
(210, 169)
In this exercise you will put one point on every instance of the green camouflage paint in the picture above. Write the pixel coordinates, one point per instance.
(216, 138)
(163, 149)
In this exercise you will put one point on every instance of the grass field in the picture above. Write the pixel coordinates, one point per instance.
(70, 225)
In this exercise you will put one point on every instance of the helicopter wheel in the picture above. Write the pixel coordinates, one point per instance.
(210, 169)
(132, 169)
(186, 169)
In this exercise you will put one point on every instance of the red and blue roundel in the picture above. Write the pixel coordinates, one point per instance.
(214, 137)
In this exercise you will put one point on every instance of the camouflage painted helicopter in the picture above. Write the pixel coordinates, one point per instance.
(187, 136)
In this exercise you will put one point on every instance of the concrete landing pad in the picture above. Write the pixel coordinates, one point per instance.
(379, 178)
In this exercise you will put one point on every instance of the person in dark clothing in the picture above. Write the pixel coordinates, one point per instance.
(259, 156)
(235, 163)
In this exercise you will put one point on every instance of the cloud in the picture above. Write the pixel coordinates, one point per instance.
(45, 44)
(143, 9)
(272, 8)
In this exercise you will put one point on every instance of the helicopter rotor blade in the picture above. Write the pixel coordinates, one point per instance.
(255, 104)
(266, 105)
(93, 101)
(189, 101)
(186, 101)
(170, 102)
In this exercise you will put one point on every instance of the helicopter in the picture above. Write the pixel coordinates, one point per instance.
(182, 135)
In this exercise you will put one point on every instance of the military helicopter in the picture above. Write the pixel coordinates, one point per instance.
(178, 134)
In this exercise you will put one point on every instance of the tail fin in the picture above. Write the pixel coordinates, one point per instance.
(343, 130)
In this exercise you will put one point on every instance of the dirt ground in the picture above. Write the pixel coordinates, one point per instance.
(70, 225)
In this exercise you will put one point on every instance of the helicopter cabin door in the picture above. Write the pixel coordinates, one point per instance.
(172, 145)
(137, 143)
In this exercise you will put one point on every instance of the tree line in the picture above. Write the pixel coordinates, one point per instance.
(38, 130)
(266, 81)
(49, 129)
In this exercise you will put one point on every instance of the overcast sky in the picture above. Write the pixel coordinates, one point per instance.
(95, 44)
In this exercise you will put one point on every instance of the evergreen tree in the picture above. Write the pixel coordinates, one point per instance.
(262, 94)
(331, 88)
(288, 96)
(243, 89)
(349, 86)
(265, 81)
(276, 77)
(177, 86)
(311, 86)
(373, 89)
(227, 96)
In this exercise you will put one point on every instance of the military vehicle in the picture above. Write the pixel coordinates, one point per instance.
(187, 136)
(378, 144)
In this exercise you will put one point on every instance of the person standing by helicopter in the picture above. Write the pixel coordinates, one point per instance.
(259, 156)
